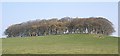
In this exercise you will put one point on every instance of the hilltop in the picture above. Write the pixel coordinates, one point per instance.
(61, 44)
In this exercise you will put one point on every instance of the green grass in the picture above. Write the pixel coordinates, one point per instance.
(61, 44)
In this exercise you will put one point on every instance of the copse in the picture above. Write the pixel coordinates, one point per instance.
(66, 25)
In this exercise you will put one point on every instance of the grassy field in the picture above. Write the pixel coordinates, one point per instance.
(61, 44)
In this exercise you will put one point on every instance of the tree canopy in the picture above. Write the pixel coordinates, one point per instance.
(66, 25)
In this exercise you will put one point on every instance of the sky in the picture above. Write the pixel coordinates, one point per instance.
(59, 0)
(18, 12)
(0, 19)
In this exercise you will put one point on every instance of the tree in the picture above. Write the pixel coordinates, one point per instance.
(92, 25)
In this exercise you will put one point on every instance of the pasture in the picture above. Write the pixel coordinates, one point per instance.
(61, 44)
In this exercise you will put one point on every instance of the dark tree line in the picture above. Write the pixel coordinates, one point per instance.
(66, 25)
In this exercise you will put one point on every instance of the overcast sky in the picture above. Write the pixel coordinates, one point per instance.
(13, 13)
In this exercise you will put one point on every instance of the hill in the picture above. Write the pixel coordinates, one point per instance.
(61, 44)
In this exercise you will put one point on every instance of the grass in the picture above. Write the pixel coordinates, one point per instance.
(61, 44)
